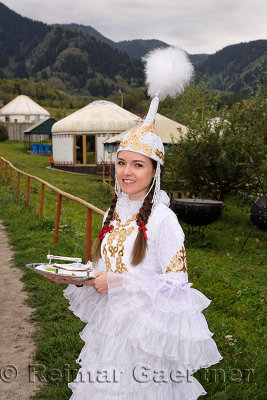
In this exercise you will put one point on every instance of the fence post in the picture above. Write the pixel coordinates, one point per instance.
(18, 183)
(88, 235)
(59, 198)
(1, 163)
(110, 163)
(41, 202)
(28, 190)
(6, 172)
(11, 177)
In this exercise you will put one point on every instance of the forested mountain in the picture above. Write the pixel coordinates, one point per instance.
(67, 59)
(79, 60)
(71, 60)
(135, 48)
(138, 48)
(234, 66)
(198, 58)
(18, 37)
(89, 30)
(229, 69)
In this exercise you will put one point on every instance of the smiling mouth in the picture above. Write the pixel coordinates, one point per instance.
(128, 181)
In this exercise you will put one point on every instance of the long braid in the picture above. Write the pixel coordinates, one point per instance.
(112, 207)
(109, 218)
(140, 244)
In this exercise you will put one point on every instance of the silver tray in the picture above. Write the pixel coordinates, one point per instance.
(89, 274)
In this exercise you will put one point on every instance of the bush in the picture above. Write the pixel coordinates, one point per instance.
(3, 133)
(196, 101)
(215, 159)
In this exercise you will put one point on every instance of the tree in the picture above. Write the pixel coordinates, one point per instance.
(3, 133)
(213, 159)
(21, 71)
(197, 101)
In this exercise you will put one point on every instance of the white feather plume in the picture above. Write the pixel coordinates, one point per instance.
(168, 71)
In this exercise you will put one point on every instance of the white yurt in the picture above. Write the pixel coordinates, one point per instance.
(166, 128)
(22, 109)
(78, 139)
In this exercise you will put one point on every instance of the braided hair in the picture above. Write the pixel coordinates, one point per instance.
(140, 244)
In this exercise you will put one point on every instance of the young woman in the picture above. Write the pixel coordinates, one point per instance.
(145, 334)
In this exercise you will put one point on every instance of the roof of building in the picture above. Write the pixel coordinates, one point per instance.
(41, 128)
(98, 116)
(23, 105)
(166, 128)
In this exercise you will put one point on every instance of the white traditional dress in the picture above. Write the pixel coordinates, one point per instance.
(146, 337)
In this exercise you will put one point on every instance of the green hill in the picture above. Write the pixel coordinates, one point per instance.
(236, 66)
(134, 48)
(18, 37)
(66, 59)
(75, 62)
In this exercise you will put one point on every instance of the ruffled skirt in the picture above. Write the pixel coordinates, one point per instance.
(143, 340)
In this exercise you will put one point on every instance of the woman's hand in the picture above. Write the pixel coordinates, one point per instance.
(100, 283)
(66, 280)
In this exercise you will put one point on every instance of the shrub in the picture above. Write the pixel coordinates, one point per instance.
(3, 133)
(216, 159)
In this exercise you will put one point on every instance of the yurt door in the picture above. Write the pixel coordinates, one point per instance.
(84, 152)
(78, 149)
(90, 149)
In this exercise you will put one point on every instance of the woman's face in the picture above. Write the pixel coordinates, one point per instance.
(134, 173)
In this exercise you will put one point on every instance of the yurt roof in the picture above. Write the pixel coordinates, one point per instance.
(41, 127)
(98, 116)
(23, 105)
(165, 127)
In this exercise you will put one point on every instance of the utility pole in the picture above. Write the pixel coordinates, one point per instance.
(121, 97)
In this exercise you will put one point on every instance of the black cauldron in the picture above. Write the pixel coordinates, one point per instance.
(258, 213)
(197, 212)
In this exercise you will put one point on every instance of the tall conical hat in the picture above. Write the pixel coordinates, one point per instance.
(168, 71)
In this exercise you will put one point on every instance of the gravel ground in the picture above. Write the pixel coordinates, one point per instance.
(16, 345)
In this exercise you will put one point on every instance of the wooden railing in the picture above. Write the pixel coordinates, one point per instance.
(106, 184)
(60, 194)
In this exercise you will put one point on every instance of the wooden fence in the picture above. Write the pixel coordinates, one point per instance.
(5, 164)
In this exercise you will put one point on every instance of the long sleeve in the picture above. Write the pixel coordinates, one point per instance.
(169, 240)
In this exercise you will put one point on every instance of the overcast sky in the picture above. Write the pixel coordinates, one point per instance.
(198, 26)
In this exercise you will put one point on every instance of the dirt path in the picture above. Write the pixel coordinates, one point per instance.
(16, 345)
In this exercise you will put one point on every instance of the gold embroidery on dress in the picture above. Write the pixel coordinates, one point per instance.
(134, 136)
(178, 262)
(107, 261)
(120, 233)
(119, 224)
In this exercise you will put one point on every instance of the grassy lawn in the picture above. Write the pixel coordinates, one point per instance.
(232, 278)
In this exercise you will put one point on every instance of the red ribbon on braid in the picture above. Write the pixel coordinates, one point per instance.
(105, 230)
(143, 228)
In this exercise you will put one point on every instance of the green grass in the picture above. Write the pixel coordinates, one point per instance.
(232, 278)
